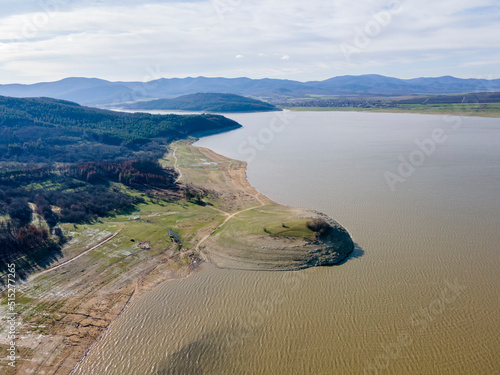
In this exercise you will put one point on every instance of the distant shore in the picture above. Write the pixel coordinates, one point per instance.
(475, 110)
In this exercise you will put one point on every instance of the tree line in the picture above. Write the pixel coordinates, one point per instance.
(59, 161)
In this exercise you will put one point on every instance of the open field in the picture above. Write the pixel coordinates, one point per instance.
(458, 109)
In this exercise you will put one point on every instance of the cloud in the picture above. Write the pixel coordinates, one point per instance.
(118, 40)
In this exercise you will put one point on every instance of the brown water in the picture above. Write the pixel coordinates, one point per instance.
(420, 296)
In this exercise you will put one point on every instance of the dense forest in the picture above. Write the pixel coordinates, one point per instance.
(34, 201)
(43, 130)
(395, 102)
(208, 102)
(63, 163)
(133, 173)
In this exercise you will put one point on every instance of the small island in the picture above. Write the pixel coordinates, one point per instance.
(207, 102)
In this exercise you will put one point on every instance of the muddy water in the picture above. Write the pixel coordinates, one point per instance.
(420, 296)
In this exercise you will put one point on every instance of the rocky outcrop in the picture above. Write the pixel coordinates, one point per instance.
(277, 253)
(331, 249)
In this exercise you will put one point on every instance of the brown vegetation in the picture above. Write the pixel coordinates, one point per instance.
(319, 226)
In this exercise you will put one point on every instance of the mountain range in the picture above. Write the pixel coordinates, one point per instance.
(99, 92)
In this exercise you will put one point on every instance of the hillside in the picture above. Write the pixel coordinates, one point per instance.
(207, 102)
(49, 130)
(64, 163)
(92, 91)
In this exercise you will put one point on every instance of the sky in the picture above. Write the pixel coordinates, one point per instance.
(131, 40)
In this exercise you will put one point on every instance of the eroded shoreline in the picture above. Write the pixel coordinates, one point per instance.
(72, 306)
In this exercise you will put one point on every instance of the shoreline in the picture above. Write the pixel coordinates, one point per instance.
(395, 111)
(90, 310)
(132, 299)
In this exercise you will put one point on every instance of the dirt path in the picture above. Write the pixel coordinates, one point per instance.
(79, 255)
(176, 167)
(238, 179)
(229, 217)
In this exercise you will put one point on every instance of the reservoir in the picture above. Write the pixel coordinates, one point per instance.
(420, 196)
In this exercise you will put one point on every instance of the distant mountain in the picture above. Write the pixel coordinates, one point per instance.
(207, 102)
(92, 91)
(372, 84)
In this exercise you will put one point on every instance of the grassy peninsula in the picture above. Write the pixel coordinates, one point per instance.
(169, 215)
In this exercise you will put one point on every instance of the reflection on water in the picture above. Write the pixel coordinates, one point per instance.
(418, 296)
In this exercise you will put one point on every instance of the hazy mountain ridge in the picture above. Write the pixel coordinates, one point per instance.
(93, 91)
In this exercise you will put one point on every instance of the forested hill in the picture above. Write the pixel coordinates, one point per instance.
(208, 102)
(64, 163)
(49, 130)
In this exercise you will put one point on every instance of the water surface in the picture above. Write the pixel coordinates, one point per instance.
(421, 295)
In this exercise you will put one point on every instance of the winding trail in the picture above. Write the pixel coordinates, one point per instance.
(80, 255)
(176, 167)
(229, 217)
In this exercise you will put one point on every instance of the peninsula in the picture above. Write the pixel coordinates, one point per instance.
(111, 226)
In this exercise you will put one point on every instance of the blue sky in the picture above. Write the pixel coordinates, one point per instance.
(46, 40)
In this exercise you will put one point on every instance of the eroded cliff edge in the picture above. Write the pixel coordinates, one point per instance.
(277, 252)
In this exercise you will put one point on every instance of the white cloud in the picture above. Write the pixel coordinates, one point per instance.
(118, 40)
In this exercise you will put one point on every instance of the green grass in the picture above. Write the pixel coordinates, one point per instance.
(268, 220)
(319, 96)
(270, 217)
(149, 222)
(483, 110)
(295, 228)
(121, 263)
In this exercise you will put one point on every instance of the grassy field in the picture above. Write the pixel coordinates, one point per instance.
(256, 213)
(482, 110)
(273, 220)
